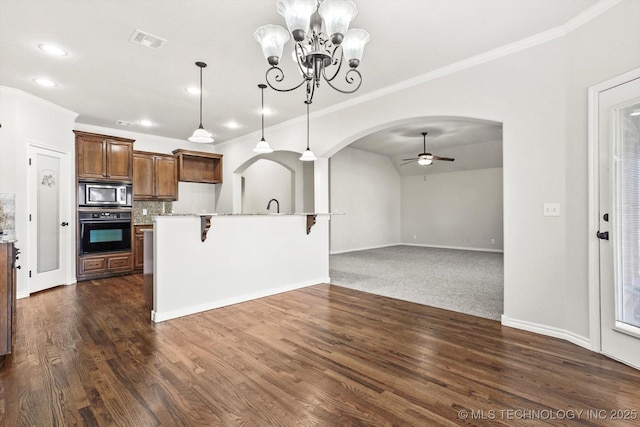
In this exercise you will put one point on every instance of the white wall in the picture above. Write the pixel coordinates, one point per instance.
(243, 257)
(26, 120)
(366, 187)
(538, 90)
(266, 180)
(456, 209)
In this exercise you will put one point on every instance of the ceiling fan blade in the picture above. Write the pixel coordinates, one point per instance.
(447, 159)
(405, 160)
(410, 161)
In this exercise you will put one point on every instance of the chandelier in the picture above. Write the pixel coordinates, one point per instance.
(323, 43)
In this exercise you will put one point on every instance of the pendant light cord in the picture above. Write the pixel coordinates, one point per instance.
(307, 125)
(200, 95)
(262, 111)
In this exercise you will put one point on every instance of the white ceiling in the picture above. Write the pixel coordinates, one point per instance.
(106, 78)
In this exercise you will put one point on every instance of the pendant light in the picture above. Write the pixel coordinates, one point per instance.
(262, 146)
(308, 155)
(201, 135)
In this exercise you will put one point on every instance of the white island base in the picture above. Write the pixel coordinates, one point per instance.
(243, 257)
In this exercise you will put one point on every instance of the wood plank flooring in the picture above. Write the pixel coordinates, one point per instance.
(87, 355)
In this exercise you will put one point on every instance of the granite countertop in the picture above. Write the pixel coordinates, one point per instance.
(250, 214)
(7, 239)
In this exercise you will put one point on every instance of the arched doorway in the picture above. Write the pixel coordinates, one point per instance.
(454, 209)
(279, 175)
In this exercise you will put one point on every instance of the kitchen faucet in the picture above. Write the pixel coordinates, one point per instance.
(277, 204)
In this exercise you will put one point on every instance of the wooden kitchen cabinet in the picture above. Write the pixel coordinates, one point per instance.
(199, 166)
(138, 245)
(103, 157)
(7, 299)
(104, 265)
(155, 176)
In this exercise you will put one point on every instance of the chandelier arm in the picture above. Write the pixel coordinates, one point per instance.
(299, 49)
(334, 61)
(350, 80)
(277, 78)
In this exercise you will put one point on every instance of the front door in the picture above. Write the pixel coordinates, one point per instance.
(49, 218)
(619, 234)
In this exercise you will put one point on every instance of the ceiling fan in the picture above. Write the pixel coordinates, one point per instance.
(424, 158)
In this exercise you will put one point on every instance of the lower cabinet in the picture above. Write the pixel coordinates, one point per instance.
(7, 299)
(103, 265)
(138, 245)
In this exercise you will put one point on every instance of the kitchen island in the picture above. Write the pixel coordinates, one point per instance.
(206, 261)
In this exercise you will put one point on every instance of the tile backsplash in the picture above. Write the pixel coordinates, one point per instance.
(152, 209)
(7, 213)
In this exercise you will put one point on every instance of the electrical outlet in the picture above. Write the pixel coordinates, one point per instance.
(552, 209)
(493, 241)
(144, 211)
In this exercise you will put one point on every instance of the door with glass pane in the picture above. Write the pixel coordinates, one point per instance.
(619, 157)
(49, 218)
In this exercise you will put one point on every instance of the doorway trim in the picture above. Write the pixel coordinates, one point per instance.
(594, 205)
(69, 187)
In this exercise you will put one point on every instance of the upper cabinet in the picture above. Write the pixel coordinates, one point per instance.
(155, 176)
(199, 166)
(103, 157)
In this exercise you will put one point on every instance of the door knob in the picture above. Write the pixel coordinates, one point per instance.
(64, 224)
(604, 235)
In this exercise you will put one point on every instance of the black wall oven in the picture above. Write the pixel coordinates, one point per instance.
(104, 231)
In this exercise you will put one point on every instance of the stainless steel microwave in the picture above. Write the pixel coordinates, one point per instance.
(104, 194)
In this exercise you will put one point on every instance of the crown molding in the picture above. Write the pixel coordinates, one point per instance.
(32, 98)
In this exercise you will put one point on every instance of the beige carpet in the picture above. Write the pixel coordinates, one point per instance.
(469, 282)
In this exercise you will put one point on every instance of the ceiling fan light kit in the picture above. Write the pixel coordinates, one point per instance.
(201, 135)
(424, 158)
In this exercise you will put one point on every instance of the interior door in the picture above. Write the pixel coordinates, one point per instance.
(49, 218)
(619, 234)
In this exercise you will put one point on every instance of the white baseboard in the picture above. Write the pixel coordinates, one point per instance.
(364, 248)
(210, 305)
(548, 331)
(462, 248)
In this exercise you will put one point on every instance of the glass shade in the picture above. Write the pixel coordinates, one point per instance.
(263, 147)
(272, 39)
(201, 135)
(308, 156)
(297, 13)
(354, 42)
(424, 161)
(337, 14)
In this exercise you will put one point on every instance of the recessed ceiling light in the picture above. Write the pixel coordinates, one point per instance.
(266, 111)
(193, 90)
(44, 82)
(146, 123)
(233, 125)
(52, 49)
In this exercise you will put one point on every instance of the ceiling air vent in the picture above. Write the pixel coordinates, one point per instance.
(146, 39)
(124, 123)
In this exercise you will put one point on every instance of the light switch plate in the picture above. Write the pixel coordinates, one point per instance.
(552, 209)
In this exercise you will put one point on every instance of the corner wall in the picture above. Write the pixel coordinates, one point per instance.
(461, 210)
(366, 188)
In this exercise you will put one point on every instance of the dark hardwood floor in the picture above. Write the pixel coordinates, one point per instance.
(88, 355)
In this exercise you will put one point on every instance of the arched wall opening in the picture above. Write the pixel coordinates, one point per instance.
(279, 175)
(387, 201)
